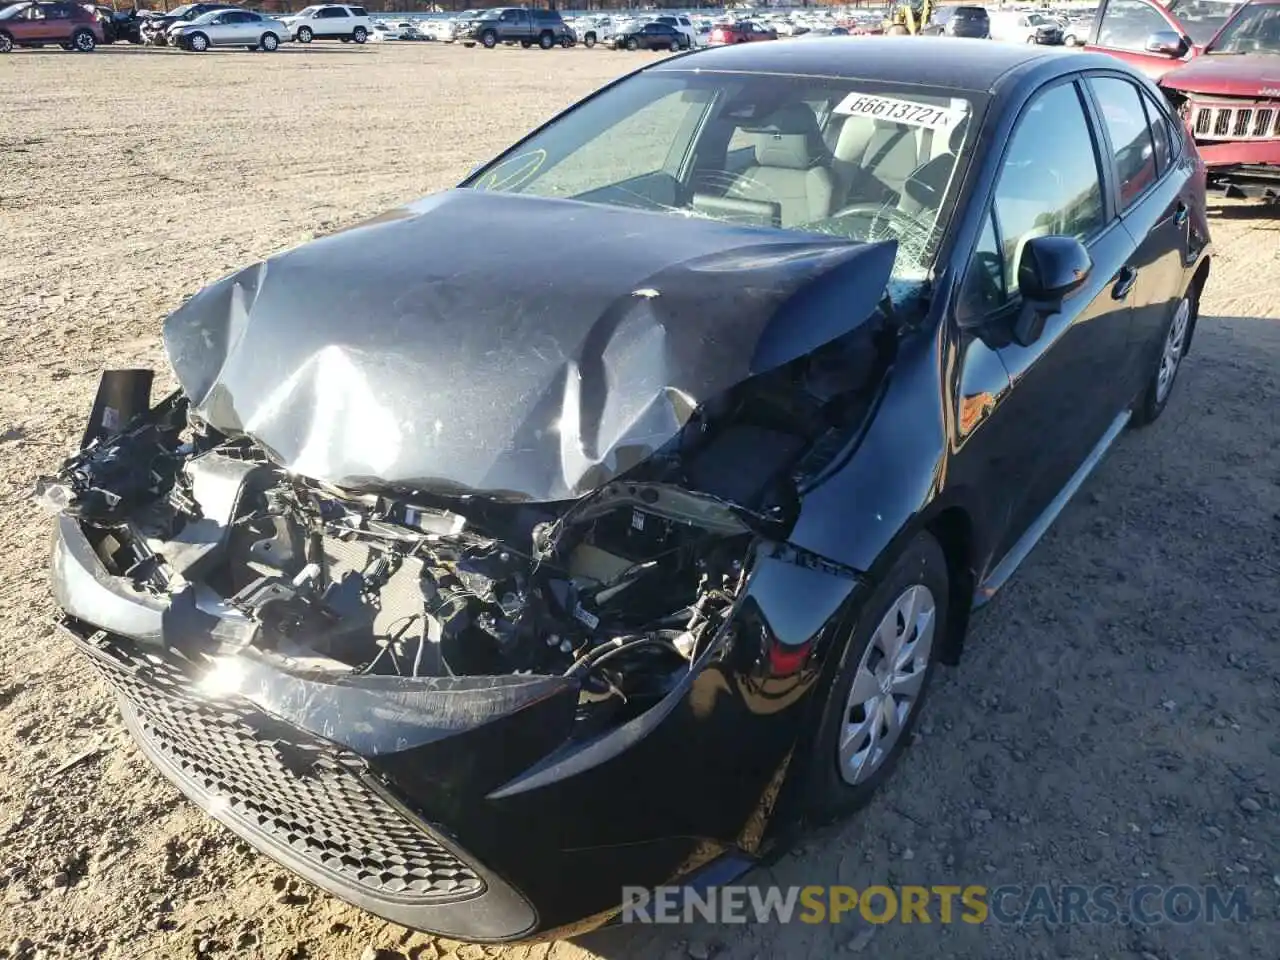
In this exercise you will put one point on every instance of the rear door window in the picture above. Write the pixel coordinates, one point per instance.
(1160, 134)
(1132, 149)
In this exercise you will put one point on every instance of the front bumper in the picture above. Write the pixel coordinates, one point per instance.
(314, 807)
(494, 830)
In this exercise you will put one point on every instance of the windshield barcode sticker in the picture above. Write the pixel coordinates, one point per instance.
(906, 112)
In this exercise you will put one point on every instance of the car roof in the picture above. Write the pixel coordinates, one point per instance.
(924, 61)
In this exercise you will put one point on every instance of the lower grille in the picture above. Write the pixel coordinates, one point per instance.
(1238, 120)
(312, 800)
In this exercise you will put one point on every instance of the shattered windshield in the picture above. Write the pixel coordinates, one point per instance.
(182, 11)
(851, 159)
(1255, 30)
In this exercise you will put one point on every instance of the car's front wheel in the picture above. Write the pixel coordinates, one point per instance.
(589, 40)
(6, 42)
(881, 683)
(82, 41)
(489, 39)
(305, 35)
(269, 42)
(1172, 349)
(198, 42)
(633, 44)
(546, 41)
(359, 34)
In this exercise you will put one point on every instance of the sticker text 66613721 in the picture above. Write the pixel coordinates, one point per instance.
(907, 112)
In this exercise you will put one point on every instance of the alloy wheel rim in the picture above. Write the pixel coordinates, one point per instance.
(1171, 358)
(84, 41)
(887, 684)
(5, 44)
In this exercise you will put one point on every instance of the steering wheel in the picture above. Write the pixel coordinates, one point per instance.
(886, 221)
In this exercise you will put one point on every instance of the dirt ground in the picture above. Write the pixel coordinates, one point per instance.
(1117, 716)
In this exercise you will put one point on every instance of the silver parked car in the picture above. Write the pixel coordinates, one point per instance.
(240, 28)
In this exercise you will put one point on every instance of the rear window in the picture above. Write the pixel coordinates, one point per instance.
(359, 12)
(970, 13)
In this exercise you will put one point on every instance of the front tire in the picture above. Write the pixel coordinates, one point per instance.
(633, 44)
(305, 35)
(359, 34)
(6, 43)
(589, 40)
(546, 41)
(1172, 351)
(82, 41)
(489, 39)
(269, 42)
(880, 686)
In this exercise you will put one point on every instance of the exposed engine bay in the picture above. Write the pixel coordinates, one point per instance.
(621, 588)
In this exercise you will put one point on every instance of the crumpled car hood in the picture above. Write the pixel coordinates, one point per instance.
(524, 348)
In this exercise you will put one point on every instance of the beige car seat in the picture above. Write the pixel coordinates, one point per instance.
(790, 168)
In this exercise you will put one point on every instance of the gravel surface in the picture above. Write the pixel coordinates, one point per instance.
(1115, 719)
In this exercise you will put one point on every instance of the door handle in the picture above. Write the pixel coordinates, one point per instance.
(1125, 280)
(1181, 213)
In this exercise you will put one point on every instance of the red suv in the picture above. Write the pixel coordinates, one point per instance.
(69, 25)
(741, 32)
(1158, 38)
(1219, 63)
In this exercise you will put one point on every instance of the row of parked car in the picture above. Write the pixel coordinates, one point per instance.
(199, 26)
(191, 26)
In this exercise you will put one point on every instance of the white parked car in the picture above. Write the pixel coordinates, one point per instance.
(330, 21)
(593, 29)
(229, 28)
(446, 31)
(1021, 26)
(683, 26)
(381, 32)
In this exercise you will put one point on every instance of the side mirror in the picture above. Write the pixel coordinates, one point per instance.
(1166, 43)
(1050, 269)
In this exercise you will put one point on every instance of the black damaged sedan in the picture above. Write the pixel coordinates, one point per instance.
(602, 520)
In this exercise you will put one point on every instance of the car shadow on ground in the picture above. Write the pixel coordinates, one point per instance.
(1230, 209)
